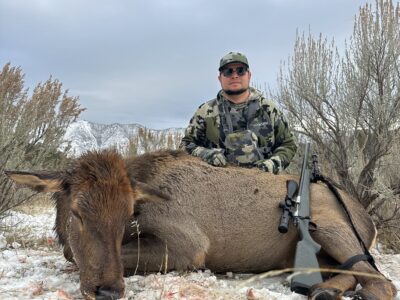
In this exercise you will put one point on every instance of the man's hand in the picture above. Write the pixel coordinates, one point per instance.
(212, 156)
(269, 165)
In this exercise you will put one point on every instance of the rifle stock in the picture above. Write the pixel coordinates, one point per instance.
(306, 257)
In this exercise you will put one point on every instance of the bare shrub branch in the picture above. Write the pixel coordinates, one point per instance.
(31, 128)
(349, 104)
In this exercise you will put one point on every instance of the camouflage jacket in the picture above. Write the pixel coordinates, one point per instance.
(269, 124)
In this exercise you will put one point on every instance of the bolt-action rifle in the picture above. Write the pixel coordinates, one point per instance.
(297, 207)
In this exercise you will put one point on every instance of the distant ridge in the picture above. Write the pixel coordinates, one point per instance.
(84, 136)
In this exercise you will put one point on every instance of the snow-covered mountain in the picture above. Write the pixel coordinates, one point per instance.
(84, 136)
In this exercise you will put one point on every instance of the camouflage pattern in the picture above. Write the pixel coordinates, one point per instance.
(242, 148)
(269, 126)
(214, 157)
(272, 165)
(232, 57)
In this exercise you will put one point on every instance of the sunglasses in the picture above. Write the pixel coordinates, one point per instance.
(228, 72)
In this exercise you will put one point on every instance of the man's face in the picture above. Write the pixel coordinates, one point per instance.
(232, 81)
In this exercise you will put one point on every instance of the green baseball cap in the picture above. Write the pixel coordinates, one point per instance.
(232, 57)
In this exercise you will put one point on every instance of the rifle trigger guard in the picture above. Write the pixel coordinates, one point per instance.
(312, 226)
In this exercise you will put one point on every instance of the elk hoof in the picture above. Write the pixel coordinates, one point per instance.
(325, 294)
(352, 295)
(103, 294)
(362, 295)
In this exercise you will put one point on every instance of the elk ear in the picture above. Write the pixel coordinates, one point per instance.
(144, 192)
(42, 181)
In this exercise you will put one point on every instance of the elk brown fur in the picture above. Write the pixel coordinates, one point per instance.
(187, 215)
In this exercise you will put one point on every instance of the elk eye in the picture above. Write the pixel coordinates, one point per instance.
(77, 216)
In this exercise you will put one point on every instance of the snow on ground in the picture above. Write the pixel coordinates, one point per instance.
(32, 267)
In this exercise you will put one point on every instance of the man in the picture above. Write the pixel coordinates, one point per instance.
(240, 126)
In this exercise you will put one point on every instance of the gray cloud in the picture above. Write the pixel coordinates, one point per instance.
(154, 62)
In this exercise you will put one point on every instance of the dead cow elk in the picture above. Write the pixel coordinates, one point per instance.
(224, 219)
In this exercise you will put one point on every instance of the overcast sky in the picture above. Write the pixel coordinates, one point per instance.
(153, 62)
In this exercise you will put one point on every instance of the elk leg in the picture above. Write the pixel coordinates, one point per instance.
(154, 255)
(334, 287)
(340, 243)
(373, 288)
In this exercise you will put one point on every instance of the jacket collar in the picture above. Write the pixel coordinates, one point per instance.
(254, 95)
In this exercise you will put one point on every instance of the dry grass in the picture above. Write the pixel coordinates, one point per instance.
(37, 205)
(28, 236)
(390, 239)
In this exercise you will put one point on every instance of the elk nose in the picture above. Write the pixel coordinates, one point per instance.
(107, 293)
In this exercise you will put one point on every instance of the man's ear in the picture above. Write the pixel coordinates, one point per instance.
(41, 181)
(144, 192)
